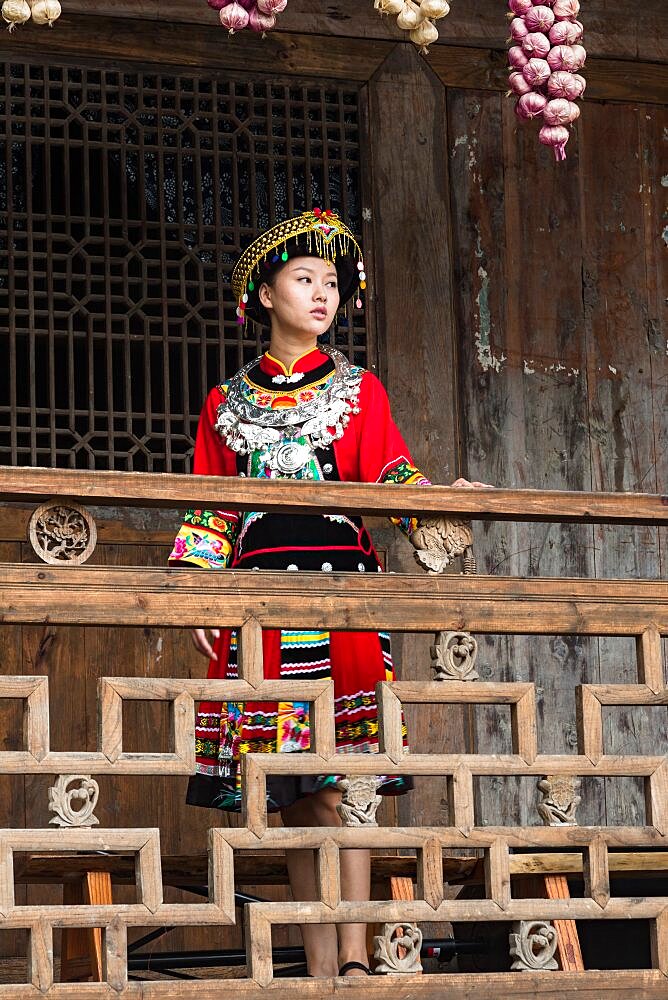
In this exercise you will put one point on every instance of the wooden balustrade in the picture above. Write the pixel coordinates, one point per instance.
(32, 594)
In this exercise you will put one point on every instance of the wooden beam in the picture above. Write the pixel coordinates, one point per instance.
(112, 40)
(107, 41)
(607, 79)
(126, 596)
(637, 28)
(644, 984)
(170, 491)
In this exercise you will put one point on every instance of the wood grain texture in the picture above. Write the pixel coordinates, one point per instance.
(115, 40)
(640, 32)
(303, 55)
(124, 596)
(622, 363)
(155, 490)
(523, 408)
(641, 984)
(568, 942)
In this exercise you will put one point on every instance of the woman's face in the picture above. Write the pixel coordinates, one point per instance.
(303, 298)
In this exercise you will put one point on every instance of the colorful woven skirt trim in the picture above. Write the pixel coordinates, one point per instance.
(355, 661)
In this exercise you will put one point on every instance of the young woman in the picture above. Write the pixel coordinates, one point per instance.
(300, 412)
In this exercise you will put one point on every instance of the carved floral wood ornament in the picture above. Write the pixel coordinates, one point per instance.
(533, 944)
(359, 801)
(397, 949)
(453, 657)
(560, 799)
(73, 799)
(62, 531)
(438, 541)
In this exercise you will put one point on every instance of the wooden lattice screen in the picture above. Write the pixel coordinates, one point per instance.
(125, 196)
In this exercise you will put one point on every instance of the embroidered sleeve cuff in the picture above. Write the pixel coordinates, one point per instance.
(404, 473)
(206, 539)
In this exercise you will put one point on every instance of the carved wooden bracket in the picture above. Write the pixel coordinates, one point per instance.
(397, 949)
(560, 799)
(453, 657)
(438, 541)
(62, 531)
(63, 800)
(533, 944)
(360, 800)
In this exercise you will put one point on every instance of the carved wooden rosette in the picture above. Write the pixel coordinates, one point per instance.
(73, 799)
(453, 657)
(62, 531)
(360, 800)
(560, 799)
(533, 944)
(397, 949)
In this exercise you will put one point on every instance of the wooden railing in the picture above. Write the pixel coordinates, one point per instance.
(32, 594)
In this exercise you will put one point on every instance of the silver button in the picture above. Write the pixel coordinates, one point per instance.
(327, 567)
(361, 567)
(242, 475)
(327, 468)
(292, 567)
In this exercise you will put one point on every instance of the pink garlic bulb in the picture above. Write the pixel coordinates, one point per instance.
(566, 10)
(562, 57)
(567, 85)
(259, 21)
(518, 84)
(536, 44)
(234, 17)
(520, 7)
(556, 136)
(578, 28)
(272, 6)
(560, 33)
(530, 105)
(218, 4)
(560, 112)
(518, 29)
(580, 55)
(539, 18)
(516, 57)
(582, 83)
(536, 72)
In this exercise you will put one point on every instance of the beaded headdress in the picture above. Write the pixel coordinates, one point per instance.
(316, 233)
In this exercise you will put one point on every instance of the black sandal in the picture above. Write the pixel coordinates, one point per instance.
(354, 965)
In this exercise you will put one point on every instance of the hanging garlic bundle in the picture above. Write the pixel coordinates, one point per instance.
(258, 15)
(15, 12)
(46, 11)
(543, 64)
(417, 18)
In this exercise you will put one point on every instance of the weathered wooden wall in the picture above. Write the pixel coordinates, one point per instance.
(519, 306)
(563, 373)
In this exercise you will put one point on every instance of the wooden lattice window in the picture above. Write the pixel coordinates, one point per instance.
(125, 196)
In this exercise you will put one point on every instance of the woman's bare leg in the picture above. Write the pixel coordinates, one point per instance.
(320, 941)
(355, 884)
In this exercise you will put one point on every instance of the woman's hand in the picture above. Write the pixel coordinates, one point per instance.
(202, 643)
(465, 484)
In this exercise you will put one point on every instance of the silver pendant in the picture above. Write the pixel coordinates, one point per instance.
(290, 458)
